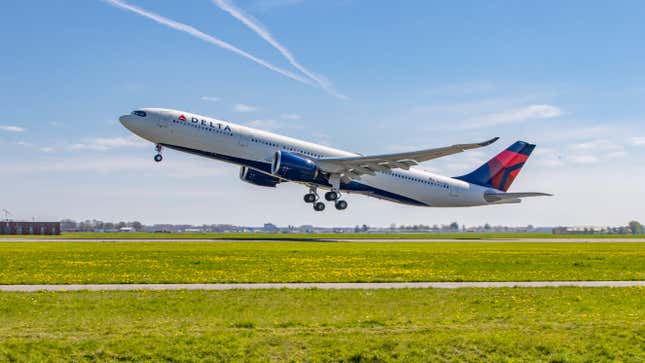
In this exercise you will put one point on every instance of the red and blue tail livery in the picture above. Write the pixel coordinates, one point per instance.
(500, 171)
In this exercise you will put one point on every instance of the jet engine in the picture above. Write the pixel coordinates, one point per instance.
(294, 167)
(253, 176)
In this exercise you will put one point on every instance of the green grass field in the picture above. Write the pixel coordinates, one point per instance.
(314, 236)
(203, 262)
(506, 325)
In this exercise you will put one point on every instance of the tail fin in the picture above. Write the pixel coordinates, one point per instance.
(501, 170)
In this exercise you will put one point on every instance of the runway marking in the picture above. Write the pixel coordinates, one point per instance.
(319, 285)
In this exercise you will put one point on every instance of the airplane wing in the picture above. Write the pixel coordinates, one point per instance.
(492, 197)
(355, 166)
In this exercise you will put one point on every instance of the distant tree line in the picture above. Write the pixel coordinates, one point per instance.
(96, 225)
(636, 227)
(69, 225)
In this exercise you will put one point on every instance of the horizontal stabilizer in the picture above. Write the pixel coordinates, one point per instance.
(493, 197)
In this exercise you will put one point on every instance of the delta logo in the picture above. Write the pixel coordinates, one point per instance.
(211, 124)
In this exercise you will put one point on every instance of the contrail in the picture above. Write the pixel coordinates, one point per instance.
(264, 33)
(207, 38)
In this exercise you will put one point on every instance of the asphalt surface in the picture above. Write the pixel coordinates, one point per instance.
(325, 285)
(277, 239)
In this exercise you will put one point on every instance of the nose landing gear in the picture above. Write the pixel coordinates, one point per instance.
(158, 149)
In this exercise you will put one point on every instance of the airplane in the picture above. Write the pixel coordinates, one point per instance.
(267, 159)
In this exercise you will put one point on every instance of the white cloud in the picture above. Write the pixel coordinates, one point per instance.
(24, 143)
(207, 38)
(264, 124)
(638, 141)
(616, 154)
(11, 128)
(595, 151)
(271, 125)
(322, 138)
(290, 116)
(45, 149)
(264, 33)
(176, 166)
(400, 148)
(548, 157)
(518, 115)
(580, 133)
(210, 99)
(584, 159)
(104, 144)
(240, 107)
(597, 145)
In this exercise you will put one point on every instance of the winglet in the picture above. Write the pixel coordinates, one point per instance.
(489, 142)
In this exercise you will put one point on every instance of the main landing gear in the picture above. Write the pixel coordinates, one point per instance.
(331, 196)
(158, 149)
(341, 204)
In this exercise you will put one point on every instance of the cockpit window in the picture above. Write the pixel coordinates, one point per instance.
(139, 113)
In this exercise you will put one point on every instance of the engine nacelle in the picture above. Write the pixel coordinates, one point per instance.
(294, 167)
(253, 176)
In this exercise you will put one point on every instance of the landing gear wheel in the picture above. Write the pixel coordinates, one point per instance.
(319, 206)
(341, 204)
(158, 157)
(310, 198)
(331, 196)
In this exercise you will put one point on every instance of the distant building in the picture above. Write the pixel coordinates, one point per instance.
(193, 230)
(591, 230)
(270, 228)
(42, 228)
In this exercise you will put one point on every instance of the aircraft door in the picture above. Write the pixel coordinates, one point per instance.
(243, 140)
(454, 190)
(162, 122)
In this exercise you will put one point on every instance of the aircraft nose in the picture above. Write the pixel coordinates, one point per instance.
(124, 120)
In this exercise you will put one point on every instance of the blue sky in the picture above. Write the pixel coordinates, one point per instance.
(568, 76)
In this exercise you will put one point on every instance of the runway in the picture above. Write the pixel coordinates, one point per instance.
(356, 240)
(316, 285)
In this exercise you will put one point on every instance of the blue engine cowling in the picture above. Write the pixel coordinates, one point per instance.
(294, 167)
(258, 178)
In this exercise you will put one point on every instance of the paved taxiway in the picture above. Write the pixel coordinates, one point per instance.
(316, 285)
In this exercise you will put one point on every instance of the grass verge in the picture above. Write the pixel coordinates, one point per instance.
(518, 324)
(204, 262)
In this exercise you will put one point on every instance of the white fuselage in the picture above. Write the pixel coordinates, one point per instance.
(245, 146)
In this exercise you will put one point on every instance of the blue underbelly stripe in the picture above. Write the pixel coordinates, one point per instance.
(352, 186)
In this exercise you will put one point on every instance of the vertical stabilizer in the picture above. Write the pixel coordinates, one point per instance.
(500, 171)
